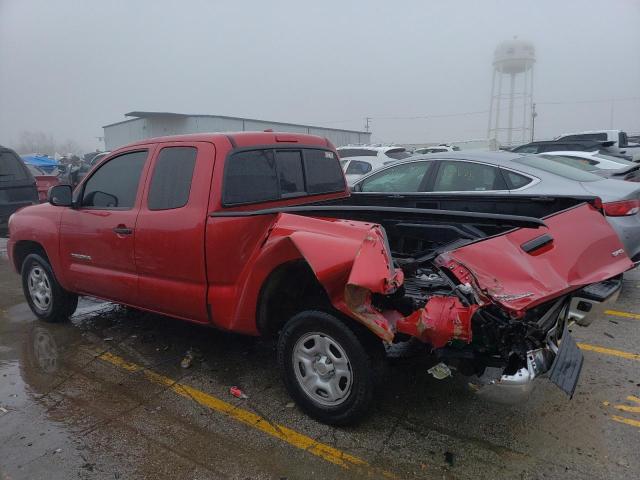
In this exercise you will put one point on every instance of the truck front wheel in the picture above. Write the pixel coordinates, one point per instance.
(326, 367)
(46, 298)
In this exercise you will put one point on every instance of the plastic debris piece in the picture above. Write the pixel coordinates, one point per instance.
(440, 371)
(236, 392)
(3, 410)
(108, 339)
(290, 405)
(187, 360)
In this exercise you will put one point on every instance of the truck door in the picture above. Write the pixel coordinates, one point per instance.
(97, 236)
(169, 242)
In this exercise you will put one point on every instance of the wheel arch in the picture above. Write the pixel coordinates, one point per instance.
(23, 248)
(289, 289)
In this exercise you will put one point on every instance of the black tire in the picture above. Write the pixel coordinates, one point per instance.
(364, 355)
(56, 304)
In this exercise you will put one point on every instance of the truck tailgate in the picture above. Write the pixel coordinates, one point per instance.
(526, 267)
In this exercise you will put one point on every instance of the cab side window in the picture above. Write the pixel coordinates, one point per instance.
(115, 184)
(171, 180)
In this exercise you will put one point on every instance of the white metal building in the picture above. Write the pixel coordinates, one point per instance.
(157, 124)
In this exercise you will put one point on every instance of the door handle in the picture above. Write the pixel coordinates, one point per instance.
(122, 230)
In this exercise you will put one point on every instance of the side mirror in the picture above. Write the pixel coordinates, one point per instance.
(60, 195)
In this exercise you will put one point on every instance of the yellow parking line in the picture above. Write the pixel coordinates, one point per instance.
(609, 351)
(626, 408)
(627, 421)
(298, 440)
(616, 313)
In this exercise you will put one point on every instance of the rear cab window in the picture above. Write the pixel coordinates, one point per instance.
(263, 175)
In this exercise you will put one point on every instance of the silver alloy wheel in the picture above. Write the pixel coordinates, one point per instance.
(39, 287)
(322, 369)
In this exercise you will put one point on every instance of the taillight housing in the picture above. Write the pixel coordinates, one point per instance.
(622, 208)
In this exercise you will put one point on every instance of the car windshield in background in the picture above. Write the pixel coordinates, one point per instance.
(356, 152)
(586, 136)
(551, 164)
(397, 153)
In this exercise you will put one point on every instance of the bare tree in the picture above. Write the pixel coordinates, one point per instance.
(69, 146)
(36, 142)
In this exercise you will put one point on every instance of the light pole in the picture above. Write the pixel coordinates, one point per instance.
(534, 114)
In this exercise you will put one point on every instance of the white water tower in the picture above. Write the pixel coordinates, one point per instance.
(513, 59)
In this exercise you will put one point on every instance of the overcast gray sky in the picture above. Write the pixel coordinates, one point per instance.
(69, 67)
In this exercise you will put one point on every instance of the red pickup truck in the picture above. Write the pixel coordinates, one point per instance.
(256, 233)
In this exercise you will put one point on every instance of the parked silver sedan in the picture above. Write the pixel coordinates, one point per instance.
(511, 173)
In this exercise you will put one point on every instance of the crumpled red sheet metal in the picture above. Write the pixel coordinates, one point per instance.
(442, 320)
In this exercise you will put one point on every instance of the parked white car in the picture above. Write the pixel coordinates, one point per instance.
(383, 152)
(437, 149)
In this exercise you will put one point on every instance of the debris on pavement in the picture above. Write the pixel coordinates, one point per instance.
(236, 392)
(290, 405)
(440, 371)
(608, 335)
(187, 360)
(3, 411)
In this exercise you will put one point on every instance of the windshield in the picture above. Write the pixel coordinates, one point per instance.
(557, 166)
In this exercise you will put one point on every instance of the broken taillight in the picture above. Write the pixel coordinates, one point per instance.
(622, 209)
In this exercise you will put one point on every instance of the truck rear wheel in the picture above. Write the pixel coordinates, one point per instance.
(326, 367)
(46, 298)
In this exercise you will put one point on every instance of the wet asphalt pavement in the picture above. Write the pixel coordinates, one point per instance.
(105, 397)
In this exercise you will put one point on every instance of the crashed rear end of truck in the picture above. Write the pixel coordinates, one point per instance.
(495, 308)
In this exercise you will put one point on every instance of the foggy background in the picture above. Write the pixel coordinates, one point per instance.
(69, 67)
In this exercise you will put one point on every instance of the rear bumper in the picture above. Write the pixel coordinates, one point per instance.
(561, 359)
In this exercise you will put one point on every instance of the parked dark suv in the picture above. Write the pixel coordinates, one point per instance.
(17, 186)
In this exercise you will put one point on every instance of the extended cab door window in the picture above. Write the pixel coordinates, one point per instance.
(461, 176)
(114, 185)
(171, 179)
